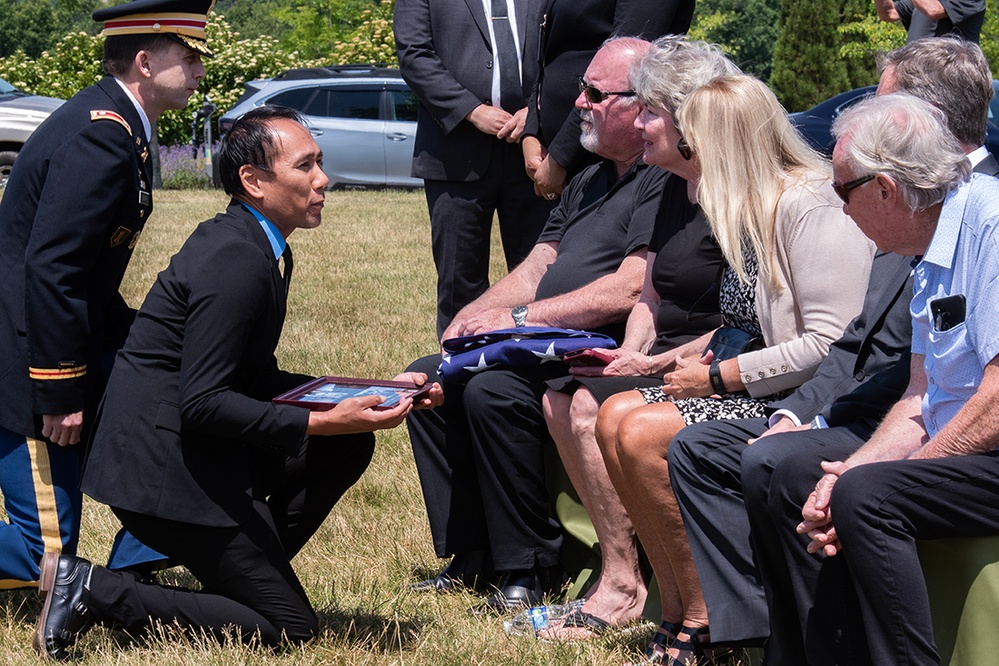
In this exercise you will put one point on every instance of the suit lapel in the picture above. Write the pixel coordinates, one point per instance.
(479, 16)
(988, 166)
(524, 15)
(257, 235)
(891, 291)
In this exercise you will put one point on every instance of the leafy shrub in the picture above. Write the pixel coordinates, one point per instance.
(75, 63)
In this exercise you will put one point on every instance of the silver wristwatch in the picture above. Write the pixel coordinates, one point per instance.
(519, 315)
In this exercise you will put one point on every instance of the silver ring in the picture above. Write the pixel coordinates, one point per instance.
(551, 196)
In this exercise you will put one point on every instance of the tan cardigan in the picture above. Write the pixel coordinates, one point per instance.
(824, 262)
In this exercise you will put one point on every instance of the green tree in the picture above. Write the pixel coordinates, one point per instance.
(807, 66)
(35, 25)
(372, 41)
(253, 18)
(745, 29)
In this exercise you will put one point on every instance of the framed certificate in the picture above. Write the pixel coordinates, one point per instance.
(324, 393)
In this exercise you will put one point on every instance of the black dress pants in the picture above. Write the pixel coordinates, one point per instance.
(813, 614)
(248, 582)
(480, 458)
(461, 220)
(880, 510)
(705, 473)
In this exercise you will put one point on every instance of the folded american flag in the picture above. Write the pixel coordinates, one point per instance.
(522, 347)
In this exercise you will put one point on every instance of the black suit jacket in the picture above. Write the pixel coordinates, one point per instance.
(189, 397)
(572, 33)
(446, 57)
(71, 215)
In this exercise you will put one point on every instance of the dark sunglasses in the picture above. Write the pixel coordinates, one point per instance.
(684, 149)
(844, 190)
(595, 95)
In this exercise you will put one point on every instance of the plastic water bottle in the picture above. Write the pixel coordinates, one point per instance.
(532, 621)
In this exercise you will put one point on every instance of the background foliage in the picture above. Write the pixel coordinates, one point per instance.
(807, 51)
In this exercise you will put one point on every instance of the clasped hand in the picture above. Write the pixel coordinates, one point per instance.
(818, 522)
(690, 379)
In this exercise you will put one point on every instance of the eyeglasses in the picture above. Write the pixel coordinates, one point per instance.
(684, 149)
(595, 95)
(844, 190)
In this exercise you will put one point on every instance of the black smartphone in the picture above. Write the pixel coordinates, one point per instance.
(948, 312)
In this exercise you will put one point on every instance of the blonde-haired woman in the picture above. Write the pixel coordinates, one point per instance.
(798, 272)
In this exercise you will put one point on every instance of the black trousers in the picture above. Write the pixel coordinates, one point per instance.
(461, 220)
(705, 473)
(880, 510)
(813, 614)
(245, 570)
(480, 459)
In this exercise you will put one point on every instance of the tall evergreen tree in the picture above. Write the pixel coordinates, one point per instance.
(808, 66)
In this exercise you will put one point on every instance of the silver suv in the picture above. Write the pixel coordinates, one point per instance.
(363, 118)
(20, 114)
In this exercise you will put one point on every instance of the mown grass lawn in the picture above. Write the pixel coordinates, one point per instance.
(362, 303)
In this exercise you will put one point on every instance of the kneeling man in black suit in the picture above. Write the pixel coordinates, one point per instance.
(189, 451)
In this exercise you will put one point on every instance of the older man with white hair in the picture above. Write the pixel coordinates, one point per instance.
(931, 470)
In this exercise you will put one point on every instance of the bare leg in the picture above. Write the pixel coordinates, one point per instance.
(619, 594)
(643, 439)
(611, 413)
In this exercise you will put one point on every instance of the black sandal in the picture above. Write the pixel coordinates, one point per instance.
(661, 641)
(698, 644)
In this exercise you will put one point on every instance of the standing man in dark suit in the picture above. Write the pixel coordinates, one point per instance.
(189, 451)
(829, 417)
(471, 63)
(74, 207)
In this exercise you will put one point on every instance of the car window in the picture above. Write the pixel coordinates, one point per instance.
(297, 98)
(405, 104)
(339, 103)
(353, 104)
(6, 87)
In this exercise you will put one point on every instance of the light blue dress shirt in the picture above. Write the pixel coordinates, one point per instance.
(278, 243)
(962, 258)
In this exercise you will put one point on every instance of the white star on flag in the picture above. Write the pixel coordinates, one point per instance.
(548, 355)
(482, 365)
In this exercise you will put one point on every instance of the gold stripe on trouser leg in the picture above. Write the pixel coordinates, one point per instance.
(45, 503)
(48, 513)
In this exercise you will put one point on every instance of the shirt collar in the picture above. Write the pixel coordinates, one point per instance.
(944, 242)
(977, 155)
(278, 243)
(147, 128)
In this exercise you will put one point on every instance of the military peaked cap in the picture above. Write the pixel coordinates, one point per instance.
(181, 20)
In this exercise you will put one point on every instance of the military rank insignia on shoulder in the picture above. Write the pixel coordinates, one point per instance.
(110, 115)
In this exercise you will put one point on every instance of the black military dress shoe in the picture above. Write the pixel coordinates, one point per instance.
(464, 570)
(63, 583)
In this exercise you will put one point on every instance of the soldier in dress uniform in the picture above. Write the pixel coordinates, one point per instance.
(74, 207)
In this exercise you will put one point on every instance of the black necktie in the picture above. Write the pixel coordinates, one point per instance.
(511, 92)
(288, 263)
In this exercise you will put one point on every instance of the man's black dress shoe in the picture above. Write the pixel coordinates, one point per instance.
(508, 599)
(521, 589)
(63, 583)
(463, 571)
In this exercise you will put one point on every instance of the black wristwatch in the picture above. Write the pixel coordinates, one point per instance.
(519, 315)
(714, 374)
